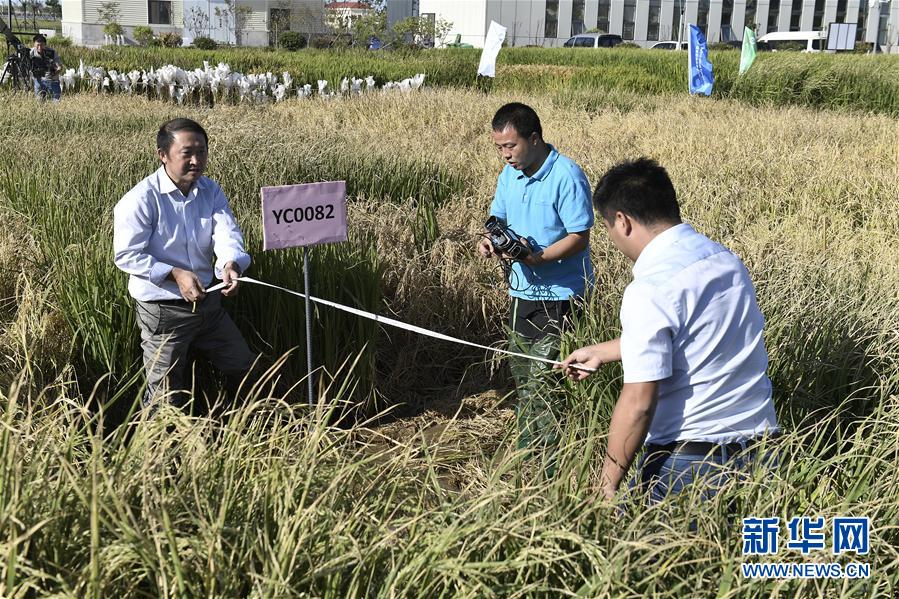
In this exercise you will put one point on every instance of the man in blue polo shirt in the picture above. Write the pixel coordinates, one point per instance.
(692, 346)
(544, 198)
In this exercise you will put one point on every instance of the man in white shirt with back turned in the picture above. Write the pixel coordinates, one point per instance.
(167, 229)
(692, 349)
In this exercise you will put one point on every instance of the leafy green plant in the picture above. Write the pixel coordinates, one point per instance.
(170, 39)
(113, 29)
(143, 34)
(109, 13)
(292, 41)
(205, 43)
(59, 41)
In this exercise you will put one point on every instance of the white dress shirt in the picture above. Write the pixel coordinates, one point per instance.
(157, 228)
(690, 320)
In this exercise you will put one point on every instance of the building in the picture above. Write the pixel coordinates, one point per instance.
(551, 22)
(246, 22)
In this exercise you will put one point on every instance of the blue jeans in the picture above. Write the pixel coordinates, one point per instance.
(44, 88)
(661, 473)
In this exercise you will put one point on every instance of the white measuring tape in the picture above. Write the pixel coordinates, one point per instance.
(401, 325)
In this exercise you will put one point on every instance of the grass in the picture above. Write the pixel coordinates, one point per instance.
(841, 82)
(275, 501)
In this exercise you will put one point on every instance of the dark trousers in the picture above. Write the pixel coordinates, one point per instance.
(535, 329)
(168, 331)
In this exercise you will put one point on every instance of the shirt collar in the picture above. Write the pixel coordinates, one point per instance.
(659, 245)
(547, 165)
(166, 185)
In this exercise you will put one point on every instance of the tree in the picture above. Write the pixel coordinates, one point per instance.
(109, 13)
(421, 31)
(54, 7)
(371, 25)
(33, 7)
(279, 21)
(233, 18)
(197, 22)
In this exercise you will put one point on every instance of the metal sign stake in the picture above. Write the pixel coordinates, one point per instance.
(307, 291)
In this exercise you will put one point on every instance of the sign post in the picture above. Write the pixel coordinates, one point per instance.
(308, 292)
(302, 216)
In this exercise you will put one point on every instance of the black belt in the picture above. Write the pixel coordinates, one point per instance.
(704, 447)
(179, 303)
(171, 302)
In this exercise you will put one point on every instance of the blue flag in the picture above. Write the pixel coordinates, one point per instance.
(701, 76)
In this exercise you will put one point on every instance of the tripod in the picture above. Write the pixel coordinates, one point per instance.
(16, 71)
(17, 64)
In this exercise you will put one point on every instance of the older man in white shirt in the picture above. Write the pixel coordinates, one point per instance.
(168, 229)
(692, 349)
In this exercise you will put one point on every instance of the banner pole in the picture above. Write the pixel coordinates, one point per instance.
(308, 292)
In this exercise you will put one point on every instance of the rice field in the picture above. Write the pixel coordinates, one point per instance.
(844, 82)
(420, 492)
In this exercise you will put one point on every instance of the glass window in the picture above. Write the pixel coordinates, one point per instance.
(278, 22)
(655, 15)
(551, 27)
(818, 16)
(702, 17)
(749, 20)
(630, 8)
(841, 11)
(795, 15)
(862, 17)
(727, 10)
(602, 22)
(676, 27)
(773, 13)
(159, 12)
(577, 17)
(882, 25)
(584, 42)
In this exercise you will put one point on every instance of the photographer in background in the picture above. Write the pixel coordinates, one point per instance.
(45, 69)
(544, 200)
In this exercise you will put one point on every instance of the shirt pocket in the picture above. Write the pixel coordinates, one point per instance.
(204, 233)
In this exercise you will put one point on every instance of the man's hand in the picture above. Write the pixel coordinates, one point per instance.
(188, 284)
(533, 258)
(592, 356)
(485, 248)
(229, 277)
(589, 356)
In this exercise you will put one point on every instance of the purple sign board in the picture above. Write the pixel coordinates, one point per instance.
(303, 215)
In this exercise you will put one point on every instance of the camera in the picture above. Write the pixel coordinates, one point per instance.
(42, 67)
(504, 240)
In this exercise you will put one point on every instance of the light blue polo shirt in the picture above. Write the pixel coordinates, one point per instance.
(544, 209)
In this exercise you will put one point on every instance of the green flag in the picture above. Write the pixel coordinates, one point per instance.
(747, 54)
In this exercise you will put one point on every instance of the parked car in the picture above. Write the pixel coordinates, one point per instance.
(668, 46)
(809, 41)
(594, 40)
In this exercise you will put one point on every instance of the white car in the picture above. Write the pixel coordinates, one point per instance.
(594, 40)
(813, 40)
(668, 46)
